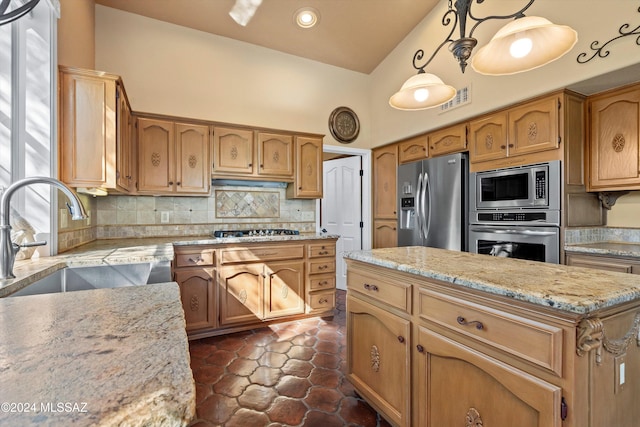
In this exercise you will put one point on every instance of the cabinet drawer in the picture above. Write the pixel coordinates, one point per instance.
(195, 258)
(322, 282)
(322, 300)
(525, 338)
(321, 249)
(261, 253)
(322, 266)
(395, 294)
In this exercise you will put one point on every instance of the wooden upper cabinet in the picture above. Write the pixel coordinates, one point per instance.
(413, 149)
(125, 144)
(275, 155)
(233, 151)
(614, 140)
(534, 126)
(308, 178)
(156, 154)
(88, 128)
(385, 164)
(448, 140)
(192, 159)
(173, 158)
(488, 138)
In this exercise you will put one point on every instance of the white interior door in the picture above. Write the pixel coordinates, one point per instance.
(341, 208)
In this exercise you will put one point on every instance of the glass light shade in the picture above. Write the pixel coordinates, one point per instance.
(548, 43)
(422, 91)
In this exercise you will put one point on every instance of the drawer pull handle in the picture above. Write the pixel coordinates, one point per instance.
(323, 253)
(323, 300)
(322, 267)
(369, 287)
(420, 348)
(462, 321)
(324, 282)
(197, 260)
(400, 338)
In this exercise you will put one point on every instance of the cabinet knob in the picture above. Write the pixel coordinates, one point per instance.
(299, 188)
(420, 348)
(503, 147)
(250, 164)
(178, 183)
(170, 182)
(400, 338)
(261, 166)
(510, 145)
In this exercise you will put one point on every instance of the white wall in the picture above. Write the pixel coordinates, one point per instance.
(592, 19)
(168, 69)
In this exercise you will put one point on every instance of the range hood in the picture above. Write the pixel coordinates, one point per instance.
(243, 183)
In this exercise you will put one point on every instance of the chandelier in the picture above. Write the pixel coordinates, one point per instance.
(523, 44)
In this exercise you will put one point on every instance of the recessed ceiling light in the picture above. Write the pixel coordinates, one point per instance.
(307, 17)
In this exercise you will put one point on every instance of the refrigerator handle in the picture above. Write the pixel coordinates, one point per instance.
(426, 192)
(418, 205)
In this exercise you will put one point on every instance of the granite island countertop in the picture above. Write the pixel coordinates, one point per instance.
(571, 289)
(107, 357)
(126, 251)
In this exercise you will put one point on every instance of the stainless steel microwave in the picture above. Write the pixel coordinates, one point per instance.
(532, 186)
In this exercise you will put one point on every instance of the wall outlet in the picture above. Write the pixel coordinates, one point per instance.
(164, 217)
(620, 373)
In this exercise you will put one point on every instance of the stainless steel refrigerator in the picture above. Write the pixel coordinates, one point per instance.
(432, 202)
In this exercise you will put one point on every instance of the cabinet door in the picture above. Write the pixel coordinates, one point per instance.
(378, 362)
(615, 123)
(284, 289)
(449, 140)
(385, 163)
(457, 383)
(192, 154)
(534, 127)
(155, 156)
(488, 138)
(241, 293)
(197, 293)
(232, 151)
(124, 144)
(308, 177)
(413, 149)
(385, 234)
(275, 155)
(87, 130)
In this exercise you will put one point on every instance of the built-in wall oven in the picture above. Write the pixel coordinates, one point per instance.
(516, 212)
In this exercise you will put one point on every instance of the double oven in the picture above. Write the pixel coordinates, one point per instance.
(515, 212)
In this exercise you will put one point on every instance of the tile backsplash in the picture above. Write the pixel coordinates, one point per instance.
(123, 216)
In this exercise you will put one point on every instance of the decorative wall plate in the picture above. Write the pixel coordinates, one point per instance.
(344, 125)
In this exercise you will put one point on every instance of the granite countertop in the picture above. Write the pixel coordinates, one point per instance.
(98, 357)
(126, 251)
(606, 248)
(571, 289)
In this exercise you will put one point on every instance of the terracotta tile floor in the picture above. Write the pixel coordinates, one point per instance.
(291, 374)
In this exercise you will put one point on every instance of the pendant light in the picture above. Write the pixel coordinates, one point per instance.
(521, 45)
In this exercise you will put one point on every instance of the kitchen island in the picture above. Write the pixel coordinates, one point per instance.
(105, 357)
(438, 337)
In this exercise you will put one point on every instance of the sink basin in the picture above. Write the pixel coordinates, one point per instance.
(99, 277)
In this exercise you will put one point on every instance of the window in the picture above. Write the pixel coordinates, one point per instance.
(27, 108)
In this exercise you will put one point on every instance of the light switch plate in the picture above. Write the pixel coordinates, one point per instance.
(620, 373)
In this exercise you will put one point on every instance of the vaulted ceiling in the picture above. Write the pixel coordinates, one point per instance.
(352, 34)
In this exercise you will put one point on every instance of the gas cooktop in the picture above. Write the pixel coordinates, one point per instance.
(255, 232)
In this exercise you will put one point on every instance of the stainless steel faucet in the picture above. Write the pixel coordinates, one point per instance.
(8, 249)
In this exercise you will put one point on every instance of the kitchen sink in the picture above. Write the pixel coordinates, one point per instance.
(71, 279)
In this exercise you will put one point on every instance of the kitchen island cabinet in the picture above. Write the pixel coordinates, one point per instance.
(493, 341)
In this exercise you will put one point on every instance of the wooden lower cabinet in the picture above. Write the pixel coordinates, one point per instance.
(232, 287)
(379, 344)
(601, 262)
(198, 296)
(457, 383)
(431, 354)
(385, 234)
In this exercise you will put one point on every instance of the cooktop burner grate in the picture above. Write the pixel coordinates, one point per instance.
(255, 232)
